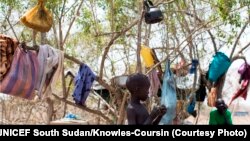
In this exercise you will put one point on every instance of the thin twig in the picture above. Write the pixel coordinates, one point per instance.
(72, 22)
(12, 28)
(238, 38)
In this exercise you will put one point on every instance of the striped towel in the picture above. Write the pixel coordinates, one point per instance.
(22, 77)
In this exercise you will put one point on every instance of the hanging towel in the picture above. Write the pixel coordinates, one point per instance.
(154, 83)
(83, 84)
(168, 96)
(218, 67)
(50, 66)
(7, 49)
(23, 75)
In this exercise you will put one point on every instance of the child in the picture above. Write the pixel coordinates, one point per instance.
(138, 85)
(221, 115)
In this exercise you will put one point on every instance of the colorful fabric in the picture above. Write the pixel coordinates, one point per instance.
(154, 83)
(83, 84)
(50, 68)
(244, 71)
(218, 67)
(242, 92)
(168, 96)
(217, 119)
(147, 56)
(38, 18)
(7, 49)
(23, 75)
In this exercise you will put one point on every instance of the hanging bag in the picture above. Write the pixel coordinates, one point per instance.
(168, 96)
(153, 14)
(38, 18)
(212, 96)
(22, 77)
(218, 67)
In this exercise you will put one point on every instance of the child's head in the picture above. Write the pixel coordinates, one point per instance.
(138, 84)
(221, 106)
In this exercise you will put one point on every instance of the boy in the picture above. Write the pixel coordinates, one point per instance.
(221, 115)
(138, 85)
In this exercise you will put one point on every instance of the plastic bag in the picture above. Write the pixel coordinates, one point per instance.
(38, 18)
(168, 96)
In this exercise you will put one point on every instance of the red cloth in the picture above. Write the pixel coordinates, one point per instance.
(242, 92)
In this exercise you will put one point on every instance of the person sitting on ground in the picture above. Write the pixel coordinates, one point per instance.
(221, 115)
(138, 85)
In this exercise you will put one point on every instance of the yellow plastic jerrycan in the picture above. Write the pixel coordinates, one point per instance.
(147, 56)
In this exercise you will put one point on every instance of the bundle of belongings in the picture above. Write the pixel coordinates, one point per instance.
(28, 71)
(244, 71)
(38, 18)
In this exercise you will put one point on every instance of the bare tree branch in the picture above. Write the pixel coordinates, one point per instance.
(84, 108)
(111, 43)
(209, 32)
(72, 22)
(202, 26)
(139, 66)
(13, 30)
(238, 38)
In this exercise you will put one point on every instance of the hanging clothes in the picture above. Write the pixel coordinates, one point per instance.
(201, 92)
(8, 46)
(83, 84)
(50, 66)
(244, 70)
(23, 75)
(168, 96)
(154, 83)
(242, 92)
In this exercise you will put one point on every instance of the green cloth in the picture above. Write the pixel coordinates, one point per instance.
(217, 119)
